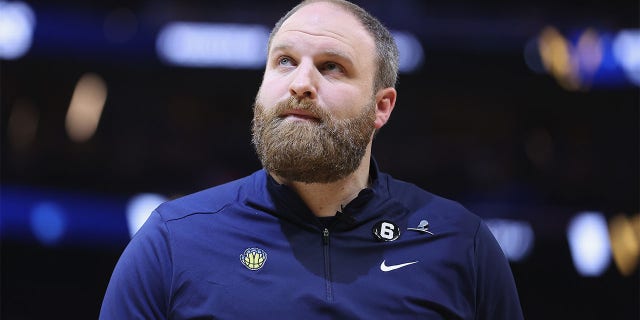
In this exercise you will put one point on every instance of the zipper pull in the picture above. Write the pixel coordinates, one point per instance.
(325, 236)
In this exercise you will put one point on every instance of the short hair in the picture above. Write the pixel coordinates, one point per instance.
(387, 59)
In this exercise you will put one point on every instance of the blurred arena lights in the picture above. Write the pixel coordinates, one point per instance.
(22, 125)
(515, 237)
(56, 217)
(626, 48)
(86, 107)
(589, 243)
(594, 59)
(589, 53)
(17, 22)
(70, 218)
(624, 233)
(193, 44)
(239, 46)
(139, 208)
(410, 49)
(556, 52)
(48, 223)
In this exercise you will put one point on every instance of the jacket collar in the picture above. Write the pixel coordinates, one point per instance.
(281, 201)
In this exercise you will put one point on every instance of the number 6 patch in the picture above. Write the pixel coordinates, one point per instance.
(386, 231)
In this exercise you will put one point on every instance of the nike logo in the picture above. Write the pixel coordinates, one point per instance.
(384, 267)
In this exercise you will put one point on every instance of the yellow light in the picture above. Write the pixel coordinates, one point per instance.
(556, 54)
(635, 224)
(86, 107)
(625, 244)
(22, 125)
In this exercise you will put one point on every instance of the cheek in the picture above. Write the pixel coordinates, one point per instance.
(272, 91)
(264, 95)
(345, 104)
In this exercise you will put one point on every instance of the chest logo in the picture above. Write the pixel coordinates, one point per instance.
(384, 267)
(386, 231)
(253, 258)
(423, 227)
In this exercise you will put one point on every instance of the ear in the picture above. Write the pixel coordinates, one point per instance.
(385, 101)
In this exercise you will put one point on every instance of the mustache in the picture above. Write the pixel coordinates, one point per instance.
(292, 103)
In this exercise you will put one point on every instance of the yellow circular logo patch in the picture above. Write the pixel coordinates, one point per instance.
(253, 258)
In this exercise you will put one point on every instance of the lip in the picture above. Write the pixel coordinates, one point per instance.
(300, 114)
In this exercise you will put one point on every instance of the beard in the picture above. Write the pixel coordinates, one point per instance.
(321, 150)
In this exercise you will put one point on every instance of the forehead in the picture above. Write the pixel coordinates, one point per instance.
(326, 25)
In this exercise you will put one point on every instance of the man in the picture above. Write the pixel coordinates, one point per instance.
(320, 232)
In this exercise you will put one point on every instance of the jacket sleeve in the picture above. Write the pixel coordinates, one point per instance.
(139, 285)
(496, 293)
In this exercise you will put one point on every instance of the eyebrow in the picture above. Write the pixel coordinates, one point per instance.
(339, 54)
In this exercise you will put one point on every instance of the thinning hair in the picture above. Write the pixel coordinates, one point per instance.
(387, 59)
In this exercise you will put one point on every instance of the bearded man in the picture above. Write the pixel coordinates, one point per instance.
(319, 232)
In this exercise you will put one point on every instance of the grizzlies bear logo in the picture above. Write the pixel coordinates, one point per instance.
(253, 258)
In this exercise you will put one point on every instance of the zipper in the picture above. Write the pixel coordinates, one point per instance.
(325, 236)
(327, 264)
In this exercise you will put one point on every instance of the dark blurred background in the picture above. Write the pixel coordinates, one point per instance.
(524, 111)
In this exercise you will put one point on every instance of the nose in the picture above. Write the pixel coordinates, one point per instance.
(303, 84)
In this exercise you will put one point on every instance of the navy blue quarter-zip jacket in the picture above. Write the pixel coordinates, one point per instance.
(251, 249)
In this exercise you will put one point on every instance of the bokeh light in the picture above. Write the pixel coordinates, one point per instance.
(625, 243)
(213, 45)
(139, 208)
(17, 22)
(23, 124)
(516, 238)
(48, 223)
(86, 107)
(589, 243)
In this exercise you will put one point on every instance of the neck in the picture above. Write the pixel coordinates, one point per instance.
(325, 199)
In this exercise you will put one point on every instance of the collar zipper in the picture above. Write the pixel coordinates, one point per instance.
(327, 264)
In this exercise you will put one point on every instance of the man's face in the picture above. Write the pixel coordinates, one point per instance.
(315, 110)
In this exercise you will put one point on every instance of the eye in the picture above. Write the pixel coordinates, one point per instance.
(332, 67)
(285, 61)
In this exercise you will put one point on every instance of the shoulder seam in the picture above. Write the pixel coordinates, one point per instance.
(475, 267)
(171, 283)
(201, 212)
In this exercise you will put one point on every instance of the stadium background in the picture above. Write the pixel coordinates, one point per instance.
(525, 111)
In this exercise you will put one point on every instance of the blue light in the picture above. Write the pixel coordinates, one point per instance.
(139, 209)
(591, 58)
(626, 49)
(48, 222)
(516, 238)
(17, 22)
(213, 45)
(532, 56)
(191, 44)
(411, 52)
(589, 243)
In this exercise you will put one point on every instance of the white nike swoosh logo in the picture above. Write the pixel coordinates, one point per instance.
(387, 268)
